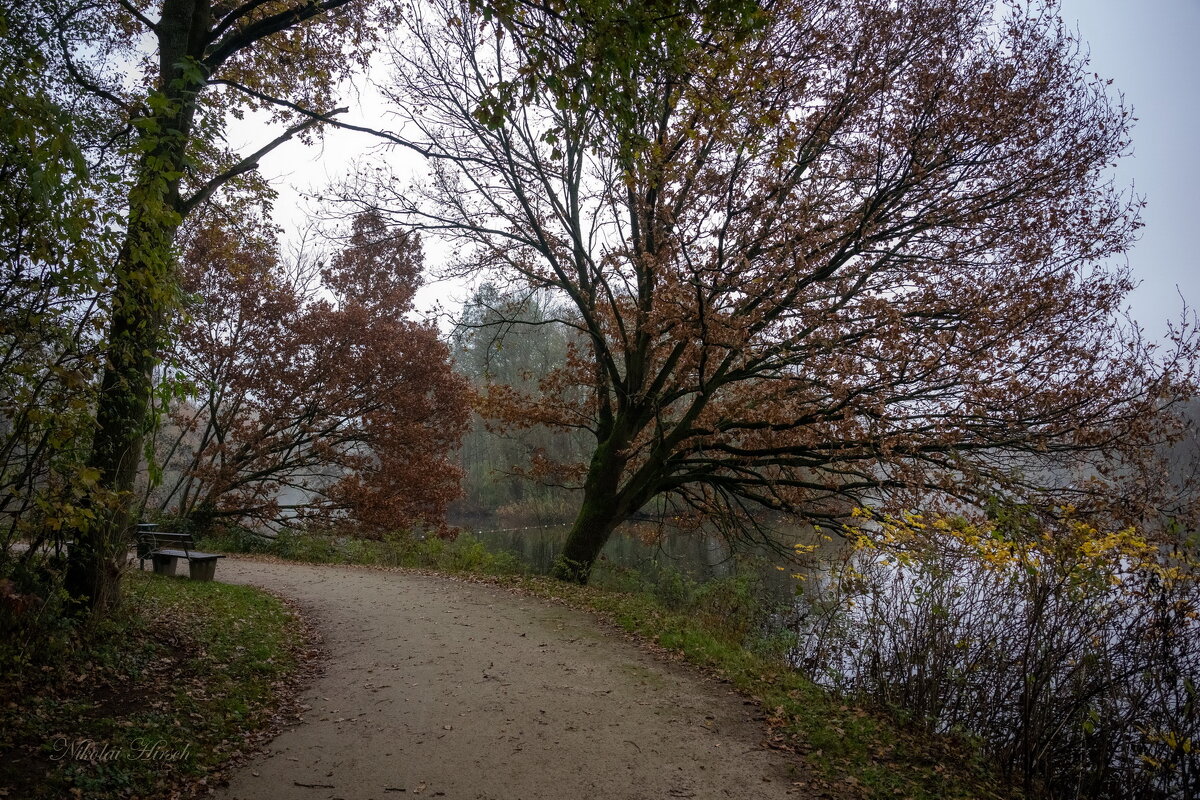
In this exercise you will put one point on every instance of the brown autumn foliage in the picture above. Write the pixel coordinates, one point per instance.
(316, 398)
(871, 254)
(169, 74)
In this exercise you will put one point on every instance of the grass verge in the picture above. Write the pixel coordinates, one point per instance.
(157, 699)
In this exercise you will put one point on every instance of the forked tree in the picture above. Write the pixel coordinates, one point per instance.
(869, 254)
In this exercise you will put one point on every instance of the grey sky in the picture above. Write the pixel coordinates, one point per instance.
(1151, 50)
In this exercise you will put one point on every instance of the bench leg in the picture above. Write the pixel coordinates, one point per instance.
(164, 565)
(203, 570)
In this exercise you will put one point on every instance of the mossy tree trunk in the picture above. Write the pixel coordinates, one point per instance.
(143, 294)
(192, 46)
(611, 494)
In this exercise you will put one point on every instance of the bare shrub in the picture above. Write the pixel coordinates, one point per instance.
(1072, 655)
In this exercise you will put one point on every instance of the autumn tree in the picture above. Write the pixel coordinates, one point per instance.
(198, 62)
(867, 254)
(314, 399)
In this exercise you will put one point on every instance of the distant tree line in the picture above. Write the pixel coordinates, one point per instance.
(512, 342)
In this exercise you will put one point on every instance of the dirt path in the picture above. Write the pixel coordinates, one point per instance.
(442, 688)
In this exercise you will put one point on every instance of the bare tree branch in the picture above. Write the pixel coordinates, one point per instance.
(251, 161)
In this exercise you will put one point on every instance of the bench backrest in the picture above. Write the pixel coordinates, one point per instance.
(149, 541)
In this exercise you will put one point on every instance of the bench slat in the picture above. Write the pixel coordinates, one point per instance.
(162, 545)
(190, 554)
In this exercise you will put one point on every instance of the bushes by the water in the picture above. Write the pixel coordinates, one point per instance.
(1071, 654)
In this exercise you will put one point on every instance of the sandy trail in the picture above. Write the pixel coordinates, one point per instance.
(441, 688)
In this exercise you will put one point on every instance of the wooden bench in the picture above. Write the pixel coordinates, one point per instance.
(165, 549)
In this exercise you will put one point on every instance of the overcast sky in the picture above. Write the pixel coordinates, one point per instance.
(1150, 49)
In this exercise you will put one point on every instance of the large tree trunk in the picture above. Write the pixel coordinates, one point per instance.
(143, 293)
(601, 511)
(140, 301)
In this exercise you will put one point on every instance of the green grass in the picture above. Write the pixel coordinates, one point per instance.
(162, 694)
(464, 554)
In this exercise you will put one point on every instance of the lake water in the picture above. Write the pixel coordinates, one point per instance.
(649, 550)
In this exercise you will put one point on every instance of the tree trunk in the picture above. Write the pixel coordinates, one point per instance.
(143, 295)
(601, 511)
(140, 299)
